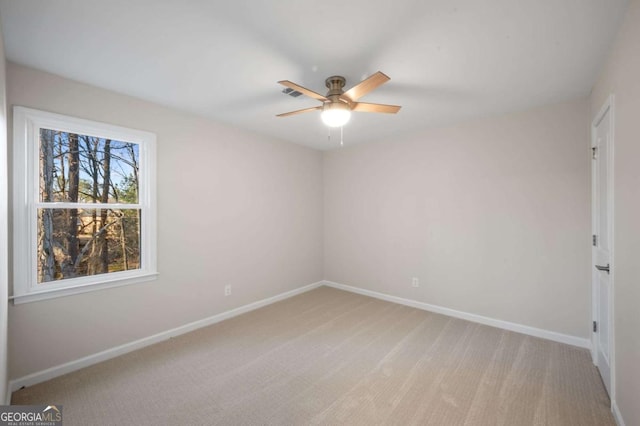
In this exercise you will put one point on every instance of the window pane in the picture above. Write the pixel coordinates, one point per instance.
(80, 242)
(87, 169)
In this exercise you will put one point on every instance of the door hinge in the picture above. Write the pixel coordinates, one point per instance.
(594, 152)
(595, 327)
(594, 239)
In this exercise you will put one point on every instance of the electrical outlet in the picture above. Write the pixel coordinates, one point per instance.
(227, 290)
(415, 282)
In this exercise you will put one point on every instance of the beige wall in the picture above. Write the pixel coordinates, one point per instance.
(492, 216)
(621, 77)
(3, 228)
(233, 208)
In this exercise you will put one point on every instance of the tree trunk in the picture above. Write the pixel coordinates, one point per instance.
(72, 246)
(62, 176)
(46, 266)
(106, 174)
(93, 263)
(123, 243)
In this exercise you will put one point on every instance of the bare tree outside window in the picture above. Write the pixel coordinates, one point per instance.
(80, 241)
(84, 210)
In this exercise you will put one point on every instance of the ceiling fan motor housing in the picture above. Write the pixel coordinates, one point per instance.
(335, 84)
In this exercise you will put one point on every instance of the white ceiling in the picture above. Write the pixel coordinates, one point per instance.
(449, 60)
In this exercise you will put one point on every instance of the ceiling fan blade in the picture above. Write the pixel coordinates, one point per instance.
(366, 86)
(365, 107)
(300, 111)
(303, 90)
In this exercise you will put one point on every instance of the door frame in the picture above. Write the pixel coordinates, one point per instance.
(608, 106)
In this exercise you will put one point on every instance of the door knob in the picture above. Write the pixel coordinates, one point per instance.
(603, 268)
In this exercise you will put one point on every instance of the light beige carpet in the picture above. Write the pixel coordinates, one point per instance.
(331, 357)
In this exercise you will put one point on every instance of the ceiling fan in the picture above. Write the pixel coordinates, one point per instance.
(337, 104)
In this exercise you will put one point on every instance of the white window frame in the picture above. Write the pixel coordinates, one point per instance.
(27, 123)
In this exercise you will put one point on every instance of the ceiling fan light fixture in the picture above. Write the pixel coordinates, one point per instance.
(337, 104)
(335, 114)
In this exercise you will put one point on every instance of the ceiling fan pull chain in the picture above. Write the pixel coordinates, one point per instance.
(341, 141)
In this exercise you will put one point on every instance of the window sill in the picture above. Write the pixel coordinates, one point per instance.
(69, 291)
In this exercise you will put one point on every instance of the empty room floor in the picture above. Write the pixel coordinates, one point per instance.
(333, 357)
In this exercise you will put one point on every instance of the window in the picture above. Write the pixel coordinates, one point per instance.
(84, 205)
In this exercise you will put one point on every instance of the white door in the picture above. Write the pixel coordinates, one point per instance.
(602, 241)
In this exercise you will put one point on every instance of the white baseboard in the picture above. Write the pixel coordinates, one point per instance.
(68, 367)
(59, 370)
(617, 415)
(519, 328)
